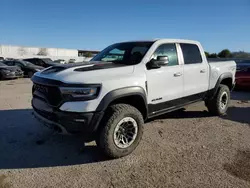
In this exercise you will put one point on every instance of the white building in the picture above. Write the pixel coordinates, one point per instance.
(20, 52)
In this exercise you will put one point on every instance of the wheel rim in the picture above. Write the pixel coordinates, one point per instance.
(223, 100)
(125, 132)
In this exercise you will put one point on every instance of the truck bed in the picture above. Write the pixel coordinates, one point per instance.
(218, 68)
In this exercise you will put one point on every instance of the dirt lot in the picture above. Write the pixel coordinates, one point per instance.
(181, 149)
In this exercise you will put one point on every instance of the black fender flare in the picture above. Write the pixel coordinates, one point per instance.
(113, 95)
(213, 91)
(122, 92)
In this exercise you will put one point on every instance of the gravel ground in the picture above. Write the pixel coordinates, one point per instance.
(181, 149)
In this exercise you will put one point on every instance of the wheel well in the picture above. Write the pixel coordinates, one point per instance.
(135, 100)
(228, 82)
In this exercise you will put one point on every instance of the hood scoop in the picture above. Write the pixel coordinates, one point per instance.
(83, 66)
(53, 70)
(98, 66)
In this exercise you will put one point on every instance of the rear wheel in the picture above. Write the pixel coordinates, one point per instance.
(219, 104)
(122, 130)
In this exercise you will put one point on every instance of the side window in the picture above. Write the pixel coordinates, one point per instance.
(30, 60)
(167, 50)
(137, 54)
(191, 53)
(10, 63)
(40, 62)
(7, 63)
(18, 64)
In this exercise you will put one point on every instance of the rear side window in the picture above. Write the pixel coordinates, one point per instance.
(191, 53)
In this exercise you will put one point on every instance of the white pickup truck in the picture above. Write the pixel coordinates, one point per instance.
(127, 83)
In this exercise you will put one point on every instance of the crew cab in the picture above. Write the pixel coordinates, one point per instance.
(111, 96)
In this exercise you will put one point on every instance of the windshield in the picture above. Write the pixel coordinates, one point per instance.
(128, 53)
(26, 63)
(2, 64)
(47, 60)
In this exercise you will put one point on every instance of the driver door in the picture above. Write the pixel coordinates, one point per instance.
(165, 84)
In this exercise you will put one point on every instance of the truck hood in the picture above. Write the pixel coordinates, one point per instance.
(86, 72)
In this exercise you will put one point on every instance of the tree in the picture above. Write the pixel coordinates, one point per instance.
(225, 54)
(43, 51)
(207, 54)
(213, 55)
(88, 54)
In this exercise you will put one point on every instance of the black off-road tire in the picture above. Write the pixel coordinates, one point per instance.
(113, 115)
(214, 106)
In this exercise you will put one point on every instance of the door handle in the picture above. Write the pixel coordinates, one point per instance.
(202, 71)
(177, 74)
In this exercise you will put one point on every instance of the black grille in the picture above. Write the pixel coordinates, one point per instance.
(50, 94)
(47, 115)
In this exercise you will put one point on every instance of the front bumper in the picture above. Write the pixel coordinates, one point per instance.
(66, 122)
(13, 75)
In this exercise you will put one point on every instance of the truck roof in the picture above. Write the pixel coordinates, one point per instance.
(167, 40)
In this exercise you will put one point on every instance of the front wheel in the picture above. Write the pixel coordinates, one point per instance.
(219, 104)
(122, 130)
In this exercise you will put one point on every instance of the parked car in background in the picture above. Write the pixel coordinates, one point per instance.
(43, 62)
(242, 64)
(28, 68)
(61, 61)
(9, 72)
(72, 60)
(9, 58)
(1, 58)
(243, 77)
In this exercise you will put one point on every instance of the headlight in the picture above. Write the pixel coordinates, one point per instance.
(6, 71)
(88, 92)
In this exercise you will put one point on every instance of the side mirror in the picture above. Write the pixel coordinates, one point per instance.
(162, 60)
(152, 64)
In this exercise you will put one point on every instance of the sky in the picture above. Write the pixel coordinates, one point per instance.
(94, 24)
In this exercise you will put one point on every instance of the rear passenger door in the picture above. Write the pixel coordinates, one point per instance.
(196, 73)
